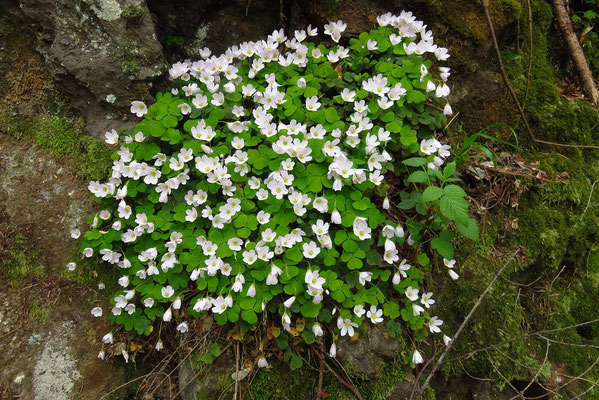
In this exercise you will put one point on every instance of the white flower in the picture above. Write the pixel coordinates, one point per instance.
(289, 302)
(347, 327)
(167, 291)
(412, 293)
(251, 291)
(453, 274)
(447, 110)
(446, 340)
(365, 277)
(101, 354)
(336, 217)
(124, 281)
(312, 103)
(262, 363)
(359, 310)
(96, 312)
(112, 137)
(159, 345)
(417, 357)
(317, 329)
(375, 315)
(449, 263)
(108, 338)
(426, 299)
(333, 350)
(320, 227)
(310, 250)
(434, 324)
(71, 266)
(183, 327)
(75, 233)
(361, 228)
(139, 108)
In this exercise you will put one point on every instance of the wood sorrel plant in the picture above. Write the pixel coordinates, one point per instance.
(246, 191)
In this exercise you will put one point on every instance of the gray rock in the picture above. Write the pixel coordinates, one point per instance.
(369, 352)
(213, 383)
(104, 53)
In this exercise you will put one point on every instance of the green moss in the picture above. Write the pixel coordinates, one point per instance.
(38, 314)
(387, 378)
(58, 135)
(130, 68)
(133, 12)
(329, 6)
(282, 382)
(21, 263)
(558, 119)
(512, 7)
(97, 159)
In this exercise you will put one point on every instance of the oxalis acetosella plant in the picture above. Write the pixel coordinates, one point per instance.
(246, 192)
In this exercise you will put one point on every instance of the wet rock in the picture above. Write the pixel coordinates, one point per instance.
(42, 196)
(55, 359)
(213, 383)
(104, 53)
(368, 353)
(213, 24)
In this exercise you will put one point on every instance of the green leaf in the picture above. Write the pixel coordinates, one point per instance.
(310, 310)
(469, 230)
(455, 208)
(249, 316)
(431, 193)
(417, 177)
(454, 191)
(415, 161)
(443, 247)
(354, 263)
(331, 115)
(449, 170)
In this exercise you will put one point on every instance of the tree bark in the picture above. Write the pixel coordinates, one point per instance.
(565, 25)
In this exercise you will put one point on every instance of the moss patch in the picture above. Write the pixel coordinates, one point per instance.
(21, 263)
(62, 137)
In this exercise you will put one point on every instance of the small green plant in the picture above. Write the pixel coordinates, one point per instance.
(174, 40)
(132, 12)
(259, 186)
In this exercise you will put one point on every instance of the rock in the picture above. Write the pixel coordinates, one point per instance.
(213, 383)
(40, 195)
(55, 360)
(212, 24)
(104, 53)
(366, 354)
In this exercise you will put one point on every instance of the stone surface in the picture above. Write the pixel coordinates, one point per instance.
(41, 193)
(104, 53)
(367, 353)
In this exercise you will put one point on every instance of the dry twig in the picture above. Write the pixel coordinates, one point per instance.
(565, 25)
(513, 93)
(463, 325)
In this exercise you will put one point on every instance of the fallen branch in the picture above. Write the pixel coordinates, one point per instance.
(464, 323)
(513, 93)
(565, 26)
(344, 382)
(507, 172)
(320, 371)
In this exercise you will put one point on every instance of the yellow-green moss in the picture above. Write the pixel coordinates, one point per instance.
(58, 135)
(21, 263)
(38, 313)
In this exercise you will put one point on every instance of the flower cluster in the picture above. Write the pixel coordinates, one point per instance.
(246, 189)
